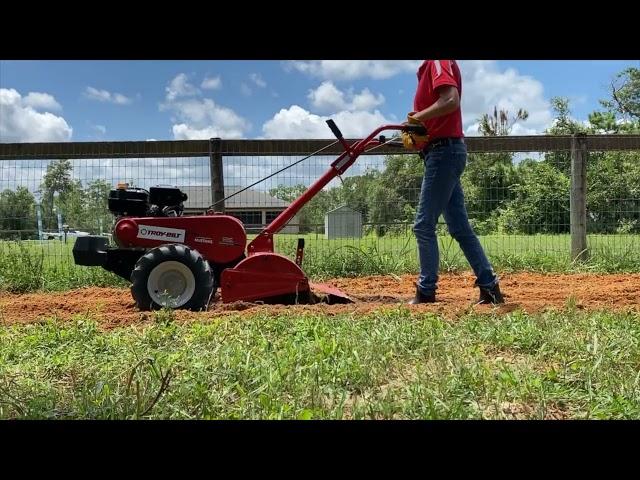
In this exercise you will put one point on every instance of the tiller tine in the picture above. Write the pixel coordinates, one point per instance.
(331, 294)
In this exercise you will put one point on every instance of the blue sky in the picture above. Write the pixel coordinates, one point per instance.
(141, 100)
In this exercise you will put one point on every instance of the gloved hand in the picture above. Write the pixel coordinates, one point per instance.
(413, 141)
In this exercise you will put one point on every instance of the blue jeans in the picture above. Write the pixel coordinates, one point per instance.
(441, 193)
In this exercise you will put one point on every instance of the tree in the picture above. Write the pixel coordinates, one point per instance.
(604, 122)
(393, 194)
(312, 214)
(500, 124)
(612, 177)
(541, 200)
(387, 207)
(17, 214)
(622, 113)
(613, 204)
(356, 191)
(57, 180)
(71, 203)
(487, 183)
(488, 178)
(625, 94)
(97, 202)
(613, 193)
(563, 123)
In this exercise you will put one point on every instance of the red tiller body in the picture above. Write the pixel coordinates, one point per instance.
(220, 239)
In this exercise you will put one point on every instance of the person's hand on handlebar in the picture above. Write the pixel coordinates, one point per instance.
(411, 120)
(411, 140)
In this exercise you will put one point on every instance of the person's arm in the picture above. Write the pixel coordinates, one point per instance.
(448, 102)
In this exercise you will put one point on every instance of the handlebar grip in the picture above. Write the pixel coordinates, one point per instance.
(417, 129)
(334, 128)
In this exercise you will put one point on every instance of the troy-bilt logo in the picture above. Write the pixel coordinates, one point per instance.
(203, 240)
(161, 233)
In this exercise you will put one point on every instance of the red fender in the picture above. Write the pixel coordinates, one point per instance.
(261, 276)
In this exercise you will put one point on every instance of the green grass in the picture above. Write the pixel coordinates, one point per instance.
(398, 254)
(390, 364)
(29, 265)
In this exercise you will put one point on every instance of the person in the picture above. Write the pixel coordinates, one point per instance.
(437, 108)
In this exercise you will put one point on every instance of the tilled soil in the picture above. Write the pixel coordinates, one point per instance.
(531, 292)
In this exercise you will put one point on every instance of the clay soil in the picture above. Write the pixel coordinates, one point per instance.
(113, 307)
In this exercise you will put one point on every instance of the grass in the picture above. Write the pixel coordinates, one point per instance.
(391, 364)
(28, 266)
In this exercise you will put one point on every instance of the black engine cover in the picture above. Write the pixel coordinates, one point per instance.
(130, 202)
(165, 196)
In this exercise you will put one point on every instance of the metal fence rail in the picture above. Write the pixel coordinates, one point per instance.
(573, 196)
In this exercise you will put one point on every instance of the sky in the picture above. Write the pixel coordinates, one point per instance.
(51, 101)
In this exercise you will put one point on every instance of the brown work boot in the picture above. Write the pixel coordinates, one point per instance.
(422, 297)
(491, 295)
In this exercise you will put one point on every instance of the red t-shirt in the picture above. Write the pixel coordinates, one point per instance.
(433, 74)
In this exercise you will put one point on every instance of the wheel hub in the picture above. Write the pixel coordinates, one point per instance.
(171, 284)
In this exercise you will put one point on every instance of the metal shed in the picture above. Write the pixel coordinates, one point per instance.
(343, 222)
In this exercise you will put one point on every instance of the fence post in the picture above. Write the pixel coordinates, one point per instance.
(217, 178)
(578, 198)
(39, 217)
(60, 229)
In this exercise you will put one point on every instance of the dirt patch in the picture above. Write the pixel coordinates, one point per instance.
(114, 307)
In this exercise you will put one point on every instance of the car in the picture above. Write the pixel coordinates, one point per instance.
(76, 233)
(64, 234)
(51, 235)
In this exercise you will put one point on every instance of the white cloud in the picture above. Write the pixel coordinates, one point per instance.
(20, 122)
(41, 101)
(352, 69)
(471, 130)
(120, 99)
(351, 111)
(212, 83)
(100, 129)
(180, 87)
(95, 94)
(522, 129)
(296, 122)
(328, 98)
(484, 86)
(245, 90)
(203, 118)
(365, 100)
(183, 131)
(106, 96)
(200, 118)
(257, 79)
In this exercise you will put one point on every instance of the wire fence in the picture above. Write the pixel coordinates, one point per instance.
(558, 197)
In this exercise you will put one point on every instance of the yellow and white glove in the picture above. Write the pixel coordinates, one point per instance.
(413, 141)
